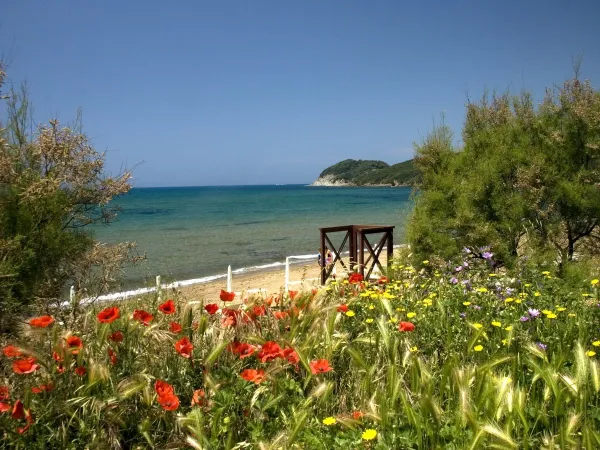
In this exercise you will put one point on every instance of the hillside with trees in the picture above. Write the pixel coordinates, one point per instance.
(351, 172)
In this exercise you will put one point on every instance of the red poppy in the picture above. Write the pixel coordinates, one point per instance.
(320, 366)
(230, 317)
(198, 398)
(112, 355)
(162, 388)
(291, 355)
(242, 349)
(116, 336)
(227, 296)
(211, 308)
(356, 415)
(167, 307)
(74, 344)
(279, 315)
(10, 351)
(169, 402)
(80, 371)
(60, 368)
(42, 388)
(144, 317)
(29, 418)
(109, 315)
(355, 278)
(18, 411)
(24, 366)
(257, 311)
(184, 347)
(342, 308)
(41, 322)
(292, 294)
(383, 280)
(5, 407)
(58, 357)
(175, 328)
(406, 326)
(253, 375)
(4, 393)
(269, 351)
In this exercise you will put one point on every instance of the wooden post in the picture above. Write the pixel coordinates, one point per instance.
(390, 249)
(287, 273)
(158, 287)
(322, 261)
(361, 255)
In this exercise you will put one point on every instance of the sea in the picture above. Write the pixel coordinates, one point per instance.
(192, 234)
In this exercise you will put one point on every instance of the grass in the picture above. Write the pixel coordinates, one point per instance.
(481, 369)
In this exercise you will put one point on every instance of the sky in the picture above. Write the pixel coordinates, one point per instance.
(241, 92)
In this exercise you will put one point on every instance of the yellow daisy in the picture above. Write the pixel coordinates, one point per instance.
(329, 421)
(369, 434)
(478, 348)
(350, 313)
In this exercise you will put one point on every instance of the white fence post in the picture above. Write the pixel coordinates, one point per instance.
(229, 280)
(72, 295)
(287, 273)
(158, 290)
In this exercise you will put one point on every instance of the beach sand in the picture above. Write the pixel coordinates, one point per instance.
(303, 277)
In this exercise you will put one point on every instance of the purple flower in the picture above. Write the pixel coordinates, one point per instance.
(487, 255)
(477, 307)
(454, 280)
(542, 346)
(524, 319)
(467, 250)
(463, 315)
(458, 269)
(534, 312)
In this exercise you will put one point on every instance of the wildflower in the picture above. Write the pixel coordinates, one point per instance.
(590, 353)
(504, 341)
(253, 375)
(594, 282)
(269, 351)
(478, 326)
(18, 411)
(393, 320)
(142, 316)
(4, 393)
(572, 315)
(198, 397)
(413, 349)
(342, 308)
(482, 290)
(561, 309)
(551, 316)
(5, 407)
(211, 308)
(406, 326)
(279, 315)
(329, 421)
(357, 415)
(292, 294)
(109, 315)
(25, 366)
(80, 371)
(596, 343)
(112, 356)
(10, 351)
(536, 294)
(175, 328)
(116, 336)
(509, 299)
(371, 306)
(383, 280)
(41, 322)
(496, 324)
(291, 355)
(478, 348)
(184, 347)
(167, 307)
(355, 278)
(466, 303)
(74, 344)
(508, 328)
(454, 280)
(369, 320)
(410, 315)
(487, 255)
(542, 346)
(524, 319)
(350, 313)
(369, 434)
(533, 312)
(545, 272)
(320, 366)
(242, 349)
(227, 296)
(166, 395)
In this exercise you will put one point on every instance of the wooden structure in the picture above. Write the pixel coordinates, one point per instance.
(358, 242)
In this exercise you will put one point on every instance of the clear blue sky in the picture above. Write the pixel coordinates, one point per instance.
(265, 92)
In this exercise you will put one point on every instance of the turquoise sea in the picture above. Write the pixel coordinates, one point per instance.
(196, 232)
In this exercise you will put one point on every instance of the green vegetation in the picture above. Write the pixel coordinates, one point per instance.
(369, 172)
(430, 357)
(52, 186)
(526, 180)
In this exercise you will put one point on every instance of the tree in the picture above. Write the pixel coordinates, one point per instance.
(525, 178)
(52, 186)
